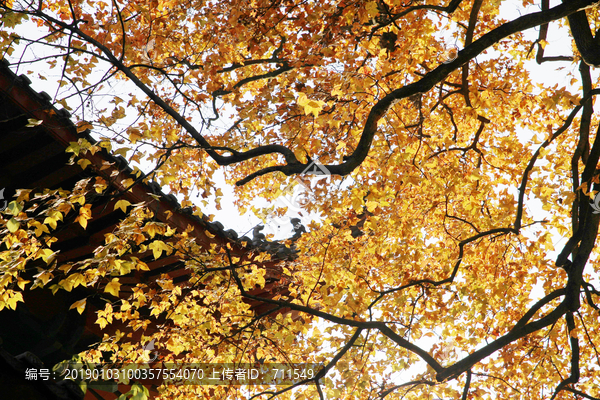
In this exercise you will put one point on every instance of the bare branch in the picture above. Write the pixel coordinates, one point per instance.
(466, 387)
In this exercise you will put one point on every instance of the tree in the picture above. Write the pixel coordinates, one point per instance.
(438, 155)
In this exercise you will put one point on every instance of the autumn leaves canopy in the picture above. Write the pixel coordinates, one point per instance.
(470, 176)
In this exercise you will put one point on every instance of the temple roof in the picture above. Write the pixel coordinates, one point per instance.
(34, 157)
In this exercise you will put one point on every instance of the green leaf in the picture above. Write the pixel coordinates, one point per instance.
(14, 208)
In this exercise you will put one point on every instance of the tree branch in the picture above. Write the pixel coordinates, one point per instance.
(521, 329)
(546, 143)
(467, 384)
(574, 341)
(293, 166)
(587, 44)
(539, 57)
(426, 83)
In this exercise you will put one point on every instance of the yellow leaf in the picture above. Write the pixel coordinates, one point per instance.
(77, 279)
(102, 322)
(372, 9)
(113, 287)
(72, 281)
(66, 268)
(53, 217)
(124, 267)
(372, 205)
(22, 282)
(105, 144)
(14, 208)
(153, 228)
(23, 194)
(167, 179)
(79, 200)
(66, 284)
(134, 135)
(302, 99)
(44, 276)
(122, 204)
(336, 91)
(32, 122)
(85, 214)
(13, 299)
(79, 305)
(40, 228)
(82, 126)
(141, 266)
(13, 225)
(83, 163)
(313, 107)
(573, 333)
(47, 255)
(122, 151)
(73, 148)
(583, 187)
(157, 248)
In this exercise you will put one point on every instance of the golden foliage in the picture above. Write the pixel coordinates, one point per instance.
(431, 272)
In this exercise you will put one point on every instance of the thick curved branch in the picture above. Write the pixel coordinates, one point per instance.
(468, 40)
(580, 393)
(585, 236)
(400, 341)
(589, 290)
(426, 83)
(583, 144)
(587, 44)
(293, 166)
(521, 329)
(574, 342)
(516, 333)
(380, 326)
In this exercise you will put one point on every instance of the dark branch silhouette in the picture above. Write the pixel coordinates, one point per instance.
(293, 166)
